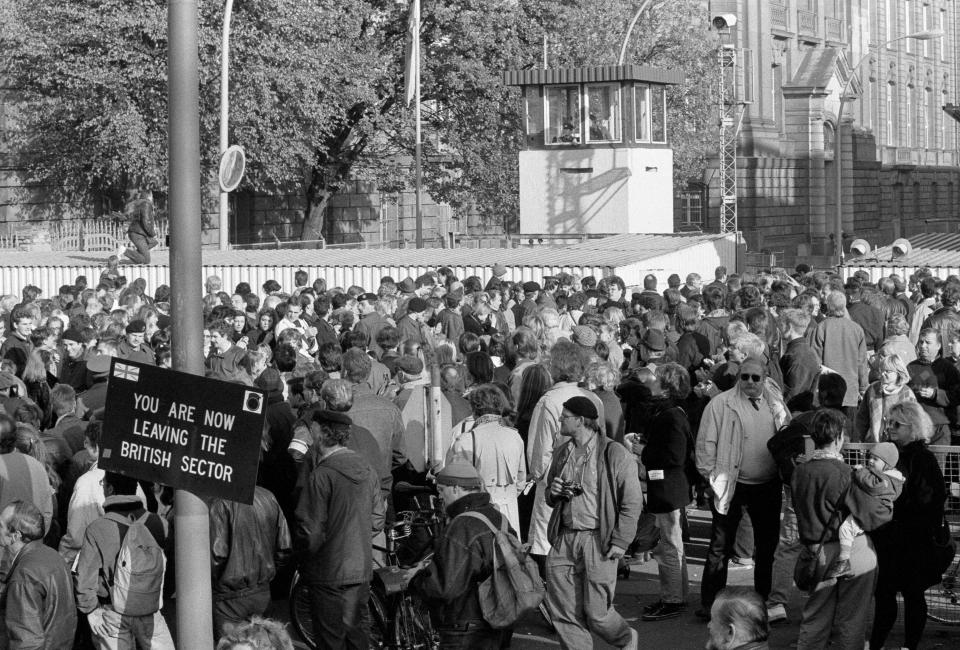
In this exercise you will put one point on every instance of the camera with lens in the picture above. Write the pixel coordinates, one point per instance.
(571, 489)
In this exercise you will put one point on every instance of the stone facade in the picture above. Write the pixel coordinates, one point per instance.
(899, 167)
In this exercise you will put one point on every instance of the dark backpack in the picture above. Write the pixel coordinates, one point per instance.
(788, 446)
(514, 588)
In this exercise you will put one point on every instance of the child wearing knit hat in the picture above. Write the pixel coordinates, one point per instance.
(873, 491)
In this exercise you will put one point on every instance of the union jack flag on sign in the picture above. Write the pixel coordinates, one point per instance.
(124, 371)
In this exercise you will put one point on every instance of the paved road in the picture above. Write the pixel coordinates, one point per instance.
(686, 631)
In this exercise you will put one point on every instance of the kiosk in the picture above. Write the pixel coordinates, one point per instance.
(597, 160)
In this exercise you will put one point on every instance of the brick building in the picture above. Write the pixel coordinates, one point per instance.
(899, 166)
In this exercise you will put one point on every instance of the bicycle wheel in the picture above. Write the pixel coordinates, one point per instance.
(377, 620)
(414, 626)
(300, 610)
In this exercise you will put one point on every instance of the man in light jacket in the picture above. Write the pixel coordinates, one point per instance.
(732, 455)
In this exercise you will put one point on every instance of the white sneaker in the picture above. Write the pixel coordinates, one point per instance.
(776, 613)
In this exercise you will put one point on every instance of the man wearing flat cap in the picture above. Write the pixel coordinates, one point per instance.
(339, 512)
(371, 321)
(132, 347)
(531, 291)
(595, 494)
(499, 273)
(463, 558)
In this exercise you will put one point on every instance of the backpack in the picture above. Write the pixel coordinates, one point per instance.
(514, 588)
(788, 447)
(137, 587)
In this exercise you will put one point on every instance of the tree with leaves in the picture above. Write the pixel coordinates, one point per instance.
(316, 92)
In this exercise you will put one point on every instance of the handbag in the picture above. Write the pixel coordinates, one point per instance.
(944, 549)
(812, 563)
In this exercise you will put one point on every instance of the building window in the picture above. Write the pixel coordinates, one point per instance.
(927, 25)
(921, 140)
(534, 110)
(908, 125)
(658, 113)
(888, 92)
(691, 209)
(563, 115)
(943, 39)
(891, 21)
(641, 112)
(908, 7)
(603, 111)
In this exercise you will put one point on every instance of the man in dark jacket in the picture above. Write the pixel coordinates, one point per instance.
(247, 543)
(799, 363)
(946, 320)
(462, 560)
(40, 610)
(339, 512)
(936, 384)
(870, 319)
(595, 495)
(141, 231)
(665, 458)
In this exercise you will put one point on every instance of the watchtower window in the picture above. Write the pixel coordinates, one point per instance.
(564, 118)
(534, 111)
(658, 113)
(603, 113)
(641, 112)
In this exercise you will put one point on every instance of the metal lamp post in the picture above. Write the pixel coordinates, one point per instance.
(926, 35)
(225, 119)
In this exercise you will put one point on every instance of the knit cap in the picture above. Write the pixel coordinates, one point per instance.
(585, 336)
(459, 473)
(887, 452)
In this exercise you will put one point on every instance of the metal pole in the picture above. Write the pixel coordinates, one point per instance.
(192, 529)
(225, 119)
(419, 149)
(838, 170)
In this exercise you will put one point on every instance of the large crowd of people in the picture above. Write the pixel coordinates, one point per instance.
(586, 417)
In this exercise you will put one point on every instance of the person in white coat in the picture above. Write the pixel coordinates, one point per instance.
(494, 449)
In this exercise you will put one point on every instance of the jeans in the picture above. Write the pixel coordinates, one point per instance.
(581, 583)
(471, 635)
(763, 503)
(671, 558)
(231, 611)
(148, 632)
(340, 615)
(788, 549)
(743, 544)
(840, 606)
(140, 253)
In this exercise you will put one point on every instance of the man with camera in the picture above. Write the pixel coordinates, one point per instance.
(595, 495)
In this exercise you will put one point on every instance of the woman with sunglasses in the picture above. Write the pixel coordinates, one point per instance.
(905, 545)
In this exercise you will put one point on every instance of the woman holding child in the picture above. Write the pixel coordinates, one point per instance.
(905, 545)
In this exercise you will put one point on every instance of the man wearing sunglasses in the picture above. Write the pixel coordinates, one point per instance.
(732, 455)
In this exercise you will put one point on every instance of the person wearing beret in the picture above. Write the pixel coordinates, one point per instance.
(371, 321)
(133, 347)
(594, 490)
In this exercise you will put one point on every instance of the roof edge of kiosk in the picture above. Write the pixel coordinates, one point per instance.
(591, 74)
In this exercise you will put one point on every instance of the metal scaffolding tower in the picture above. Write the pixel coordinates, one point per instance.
(733, 96)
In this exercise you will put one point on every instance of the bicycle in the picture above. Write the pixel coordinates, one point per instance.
(397, 619)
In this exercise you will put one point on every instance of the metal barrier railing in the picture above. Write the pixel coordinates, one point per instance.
(943, 600)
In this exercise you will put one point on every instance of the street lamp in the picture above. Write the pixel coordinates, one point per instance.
(926, 35)
(633, 23)
(225, 118)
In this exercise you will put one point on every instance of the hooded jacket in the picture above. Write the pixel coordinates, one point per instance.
(339, 512)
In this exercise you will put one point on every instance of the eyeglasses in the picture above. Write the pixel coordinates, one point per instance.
(568, 417)
(748, 377)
